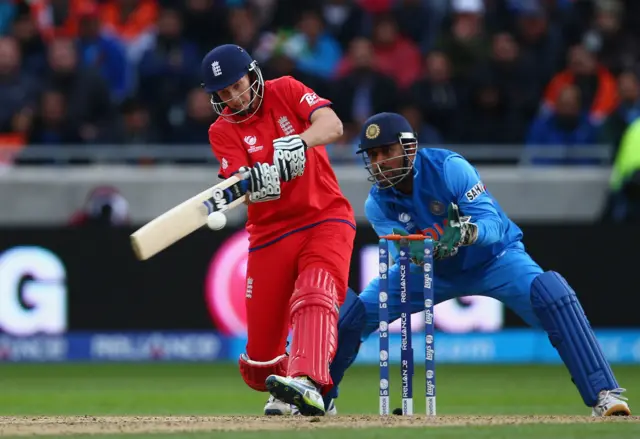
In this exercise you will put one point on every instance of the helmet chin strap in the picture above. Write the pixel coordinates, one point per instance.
(409, 149)
(253, 99)
(251, 102)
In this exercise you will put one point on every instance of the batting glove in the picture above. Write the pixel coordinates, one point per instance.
(264, 182)
(289, 156)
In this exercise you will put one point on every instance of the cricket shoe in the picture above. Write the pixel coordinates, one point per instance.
(611, 403)
(331, 410)
(275, 407)
(298, 391)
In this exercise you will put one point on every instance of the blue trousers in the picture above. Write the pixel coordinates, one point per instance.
(506, 278)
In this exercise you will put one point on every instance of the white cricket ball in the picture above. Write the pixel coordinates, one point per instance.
(216, 220)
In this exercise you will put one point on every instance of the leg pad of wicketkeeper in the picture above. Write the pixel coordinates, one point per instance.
(314, 320)
(254, 373)
(562, 317)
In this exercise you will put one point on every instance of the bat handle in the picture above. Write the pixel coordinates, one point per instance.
(243, 175)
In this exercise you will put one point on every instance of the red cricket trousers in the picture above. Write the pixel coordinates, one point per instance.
(272, 273)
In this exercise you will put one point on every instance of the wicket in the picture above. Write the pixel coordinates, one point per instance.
(406, 347)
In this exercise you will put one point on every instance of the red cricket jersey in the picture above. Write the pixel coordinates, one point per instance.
(313, 198)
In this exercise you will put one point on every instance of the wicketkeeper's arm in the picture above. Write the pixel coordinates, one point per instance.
(473, 201)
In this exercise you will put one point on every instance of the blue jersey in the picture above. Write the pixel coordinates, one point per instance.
(441, 177)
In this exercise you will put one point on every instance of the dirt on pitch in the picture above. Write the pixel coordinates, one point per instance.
(63, 425)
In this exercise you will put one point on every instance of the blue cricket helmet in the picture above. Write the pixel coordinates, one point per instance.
(385, 130)
(224, 66)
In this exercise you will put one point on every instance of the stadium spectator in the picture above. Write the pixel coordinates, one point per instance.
(200, 17)
(135, 125)
(416, 23)
(439, 95)
(597, 85)
(280, 64)
(376, 6)
(319, 52)
(395, 56)
(427, 134)
(314, 50)
(627, 112)
(243, 28)
(567, 126)
(168, 69)
(89, 103)
(616, 46)
(465, 43)
(51, 125)
(32, 45)
(510, 68)
(103, 52)
(18, 92)
(133, 21)
(540, 39)
(363, 90)
(488, 118)
(344, 19)
(57, 18)
(8, 11)
(193, 126)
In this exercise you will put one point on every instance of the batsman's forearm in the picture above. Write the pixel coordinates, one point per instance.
(490, 231)
(324, 130)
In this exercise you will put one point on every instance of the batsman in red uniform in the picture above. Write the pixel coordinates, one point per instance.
(301, 226)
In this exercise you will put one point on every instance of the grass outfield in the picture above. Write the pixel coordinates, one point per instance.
(152, 400)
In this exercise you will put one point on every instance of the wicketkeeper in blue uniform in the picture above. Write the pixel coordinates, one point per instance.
(478, 250)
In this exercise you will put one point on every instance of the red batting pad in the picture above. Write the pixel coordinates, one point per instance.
(254, 373)
(314, 318)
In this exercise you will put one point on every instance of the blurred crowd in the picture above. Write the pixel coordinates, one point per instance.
(466, 72)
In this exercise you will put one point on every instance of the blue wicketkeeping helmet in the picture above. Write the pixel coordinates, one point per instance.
(224, 66)
(383, 130)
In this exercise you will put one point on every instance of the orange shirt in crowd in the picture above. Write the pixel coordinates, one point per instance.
(605, 100)
(42, 14)
(129, 28)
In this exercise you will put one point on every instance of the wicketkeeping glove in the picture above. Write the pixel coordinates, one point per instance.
(460, 231)
(289, 156)
(416, 248)
(264, 182)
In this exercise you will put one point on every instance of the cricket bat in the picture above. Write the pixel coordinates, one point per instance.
(187, 217)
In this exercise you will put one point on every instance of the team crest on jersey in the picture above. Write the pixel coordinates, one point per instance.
(436, 207)
(404, 217)
(286, 126)
(372, 131)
